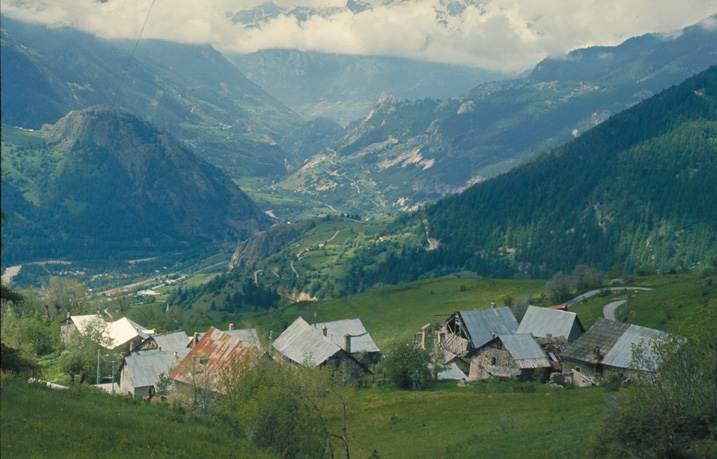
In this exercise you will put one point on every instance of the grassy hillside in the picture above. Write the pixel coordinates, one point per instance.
(455, 422)
(42, 422)
(396, 313)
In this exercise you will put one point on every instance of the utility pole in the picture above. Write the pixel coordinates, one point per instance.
(113, 377)
(98, 365)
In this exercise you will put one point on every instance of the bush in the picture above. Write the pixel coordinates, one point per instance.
(404, 363)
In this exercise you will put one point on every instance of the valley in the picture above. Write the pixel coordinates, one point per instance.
(317, 251)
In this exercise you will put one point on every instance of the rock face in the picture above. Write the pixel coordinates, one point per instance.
(112, 181)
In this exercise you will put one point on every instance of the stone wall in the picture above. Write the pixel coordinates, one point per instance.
(489, 355)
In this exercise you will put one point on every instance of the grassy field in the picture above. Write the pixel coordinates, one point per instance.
(675, 297)
(456, 422)
(42, 422)
(443, 421)
(396, 313)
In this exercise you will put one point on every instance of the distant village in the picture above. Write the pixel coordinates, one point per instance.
(473, 345)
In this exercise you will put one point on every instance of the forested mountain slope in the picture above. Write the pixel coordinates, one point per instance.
(637, 189)
(407, 153)
(192, 91)
(102, 181)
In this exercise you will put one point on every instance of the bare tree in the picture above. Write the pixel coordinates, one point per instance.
(558, 287)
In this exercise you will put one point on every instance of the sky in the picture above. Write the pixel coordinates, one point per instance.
(500, 35)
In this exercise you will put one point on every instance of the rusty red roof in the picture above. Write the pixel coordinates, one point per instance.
(212, 355)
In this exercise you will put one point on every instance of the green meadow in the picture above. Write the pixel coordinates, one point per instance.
(42, 422)
(396, 313)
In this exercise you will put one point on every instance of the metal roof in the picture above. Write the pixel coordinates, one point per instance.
(248, 335)
(213, 354)
(545, 321)
(171, 341)
(526, 352)
(360, 338)
(304, 344)
(117, 332)
(451, 371)
(483, 323)
(145, 367)
(621, 353)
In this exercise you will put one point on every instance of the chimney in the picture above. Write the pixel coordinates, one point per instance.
(231, 327)
(271, 335)
(596, 353)
(492, 304)
(324, 330)
(131, 346)
(195, 338)
(176, 356)
(347, 343)
(492, 335)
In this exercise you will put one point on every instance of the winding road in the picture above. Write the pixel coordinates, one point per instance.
(608, 311)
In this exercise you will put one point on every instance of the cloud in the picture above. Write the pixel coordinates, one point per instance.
(506, 35)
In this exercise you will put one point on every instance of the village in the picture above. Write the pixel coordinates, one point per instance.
(548, 344)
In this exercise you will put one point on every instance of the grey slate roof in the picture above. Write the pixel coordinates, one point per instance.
(302, 344)
(526, 352)
(621, 353)
(145, 367)
(604, 333)
(483, 323)
(171, 341)
(544, 321)
(360, 338)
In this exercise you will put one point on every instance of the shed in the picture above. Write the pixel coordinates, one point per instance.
(545, 322)
(466, 331)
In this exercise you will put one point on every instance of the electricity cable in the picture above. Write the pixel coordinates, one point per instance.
(129, 61)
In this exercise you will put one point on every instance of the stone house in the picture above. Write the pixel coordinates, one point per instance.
(466, 331)
(214, 355)
(505, 356)
(303, 344)
(606, 349)
(141, 370)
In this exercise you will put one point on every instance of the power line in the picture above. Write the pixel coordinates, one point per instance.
(129, 61)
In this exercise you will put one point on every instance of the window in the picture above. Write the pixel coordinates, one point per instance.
(492, 360)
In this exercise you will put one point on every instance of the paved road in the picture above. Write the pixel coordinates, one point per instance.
(608, 311)
(592, 293)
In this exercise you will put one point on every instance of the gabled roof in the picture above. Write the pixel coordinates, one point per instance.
(360, 338)
(604, 334)
(248, 335)
(144, 368)
(545, 321)
(171, 341)
(614, 339)
(117, 333)
(621, 353)
(526, 352)
(213, 354)
(483, 323)
(302, 344)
